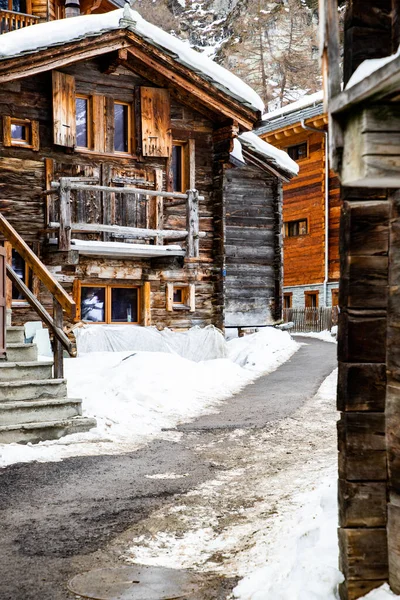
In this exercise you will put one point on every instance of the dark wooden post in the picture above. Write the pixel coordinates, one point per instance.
(58, 349)
(3, 302)
(64, 235)
(393, 397)
(364, 245)
(193, 223)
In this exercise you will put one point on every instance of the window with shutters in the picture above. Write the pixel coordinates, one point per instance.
(183, 165)
(156, 122)
(21, 132)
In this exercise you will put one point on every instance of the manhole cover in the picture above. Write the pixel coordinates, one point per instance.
(137, 582)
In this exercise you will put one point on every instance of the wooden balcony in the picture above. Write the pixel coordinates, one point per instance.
(10, 20)
(123, 222)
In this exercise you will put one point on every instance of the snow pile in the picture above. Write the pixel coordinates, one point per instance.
(307, 564)
(198, 343)
(370, 66)
(43, 35)
(135, 395)
(237, 151)
(382, 593)
(279, 157)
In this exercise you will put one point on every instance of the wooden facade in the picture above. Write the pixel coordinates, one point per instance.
(181, 256)
(304, 203)
(368, 391)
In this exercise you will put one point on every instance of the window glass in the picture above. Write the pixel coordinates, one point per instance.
(19, 132)
(82, 122)
(93, 304)
(19, 6)
(124, 302)
(177, 168)
(295, 228)
(18, 265)
(4, 4)
(178, 296)
(121, 128)
(298, 152)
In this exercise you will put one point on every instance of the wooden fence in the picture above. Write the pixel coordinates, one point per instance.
(311, 319)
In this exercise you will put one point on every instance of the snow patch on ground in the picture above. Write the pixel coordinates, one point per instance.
(325, 336)
(136, 395)
(382, 593)
(283, 523)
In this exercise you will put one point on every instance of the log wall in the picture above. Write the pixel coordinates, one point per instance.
(252, 249)
(25, 174)
(304, 198)
(364, 248)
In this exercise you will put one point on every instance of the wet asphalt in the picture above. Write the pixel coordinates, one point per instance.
(58, 519)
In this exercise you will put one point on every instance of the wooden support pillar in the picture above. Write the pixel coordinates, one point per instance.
(363, 297)
(193, 224)
(146, 304)
(393, 397)
(64, 234)
(58, 349)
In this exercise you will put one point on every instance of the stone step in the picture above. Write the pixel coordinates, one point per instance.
(36, 411)
(38, 432)
(13, 391)
(15, 335)
(21, 352)
(23, 371)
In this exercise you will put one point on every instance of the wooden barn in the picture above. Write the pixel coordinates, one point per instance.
(365, 134)
(311, 204)
(121, 201)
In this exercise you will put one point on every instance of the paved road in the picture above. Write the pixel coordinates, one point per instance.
(59, 519)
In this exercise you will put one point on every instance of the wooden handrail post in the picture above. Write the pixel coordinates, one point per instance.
(193, 223)
(58, 349)
(64, 235)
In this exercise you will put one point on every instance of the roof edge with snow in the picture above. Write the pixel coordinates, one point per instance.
(277, 161)
(36, 39)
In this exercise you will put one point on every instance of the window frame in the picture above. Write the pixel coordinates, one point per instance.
(286, 225)
(108, 302)
(130, 128)
(89, 122)
(28, 8)
(184, 155)
(293, 146)
(188, 296)
(27, 123)
(289, 296)
(313, 294)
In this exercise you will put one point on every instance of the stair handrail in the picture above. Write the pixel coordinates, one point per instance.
(38, 268)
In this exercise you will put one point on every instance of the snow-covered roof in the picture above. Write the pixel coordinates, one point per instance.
(274, 156)
(53, 33)
(307, 107)
(370, 66)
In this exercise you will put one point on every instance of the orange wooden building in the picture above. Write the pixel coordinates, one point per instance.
(311, 205)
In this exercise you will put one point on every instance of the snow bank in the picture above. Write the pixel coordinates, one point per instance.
(382, 593)
(43, 35)
(135, 394)
(325, 336)
(307, 565)
(370, 66)
(280, 157)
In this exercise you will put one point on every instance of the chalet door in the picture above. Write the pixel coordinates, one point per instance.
(2, 302)
(131, 210)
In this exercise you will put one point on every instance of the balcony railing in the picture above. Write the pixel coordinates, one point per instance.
(10, 20)
(112, 213)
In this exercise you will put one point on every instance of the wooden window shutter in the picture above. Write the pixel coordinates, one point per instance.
(35, 135)
(156, 122)
(64, 118)
(6, 131)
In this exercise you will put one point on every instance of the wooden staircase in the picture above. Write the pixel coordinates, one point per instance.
(34, 406)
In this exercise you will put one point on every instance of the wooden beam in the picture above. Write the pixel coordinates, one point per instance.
(37, 266)
(119, 230)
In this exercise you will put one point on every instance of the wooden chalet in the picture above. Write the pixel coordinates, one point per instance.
(311, 204)
(365, 128)
(121, 201)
